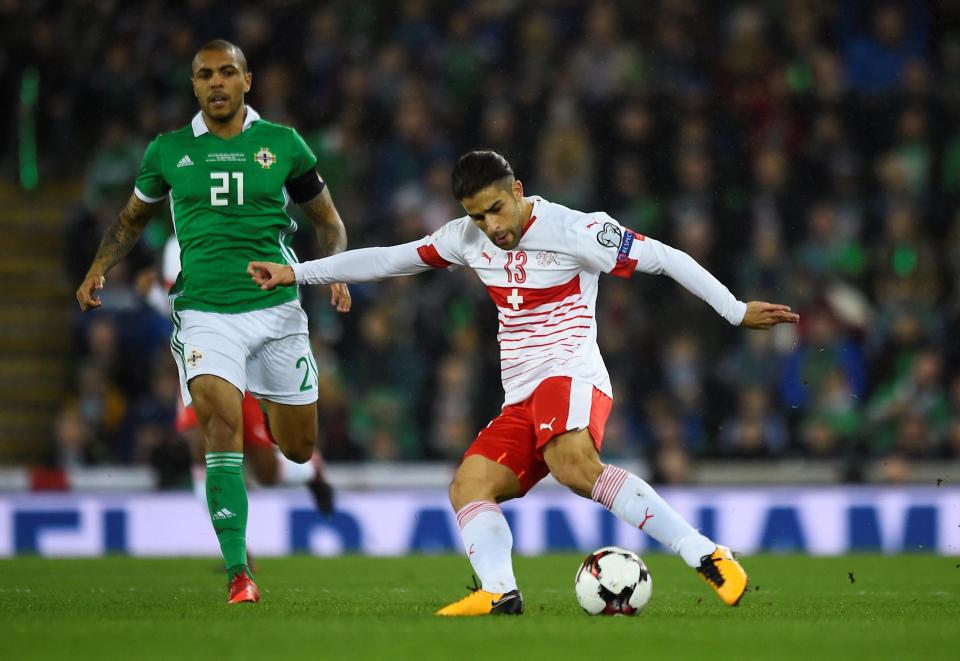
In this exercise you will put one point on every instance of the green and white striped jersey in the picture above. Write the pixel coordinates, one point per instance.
(228, 202)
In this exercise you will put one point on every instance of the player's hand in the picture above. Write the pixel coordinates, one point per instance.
(762, 315)
(87, 292)
(270, 276)
(340, 296)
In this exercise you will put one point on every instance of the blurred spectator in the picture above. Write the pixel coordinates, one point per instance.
(834, 421)
(565, 161)
(905, 257)
(756, 430)
(828, 251)
(824, 348)
(76, 442)
(91, 418)
(755, 361)
(910, 410)
(672, 466)
(605, 64)
(879, 39)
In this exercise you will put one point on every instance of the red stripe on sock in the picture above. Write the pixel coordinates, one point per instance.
(608, 485)
(472, 514)
(471, 510)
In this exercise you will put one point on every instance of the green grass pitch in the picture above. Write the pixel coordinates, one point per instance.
(852, 607)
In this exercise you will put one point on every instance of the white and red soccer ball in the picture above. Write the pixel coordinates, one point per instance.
(613, 581)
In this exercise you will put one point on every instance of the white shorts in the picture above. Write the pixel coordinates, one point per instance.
(266, 352)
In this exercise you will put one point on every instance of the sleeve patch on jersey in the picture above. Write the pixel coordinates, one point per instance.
(624, 252)
(625, 266)
(431, 257)
(610, 236)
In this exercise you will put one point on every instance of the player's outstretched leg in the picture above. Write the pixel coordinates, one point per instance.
(478, 484)
(574, 462)
(637, 503)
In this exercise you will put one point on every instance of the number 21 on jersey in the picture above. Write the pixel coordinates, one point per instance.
(219, 194)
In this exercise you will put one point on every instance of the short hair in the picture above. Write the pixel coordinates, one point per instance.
(223, 44)
(476, 170)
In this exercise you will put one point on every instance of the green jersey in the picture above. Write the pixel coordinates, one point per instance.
(228, 202)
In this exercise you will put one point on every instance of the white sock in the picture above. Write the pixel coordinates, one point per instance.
(292, 473)
(634, 501)
(488, 542)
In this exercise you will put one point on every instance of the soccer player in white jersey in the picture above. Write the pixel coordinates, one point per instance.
(541, 264)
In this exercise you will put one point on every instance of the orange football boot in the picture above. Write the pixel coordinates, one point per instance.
(481, 602)
(724, 574)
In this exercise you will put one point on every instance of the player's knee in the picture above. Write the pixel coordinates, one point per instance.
(576, 472)
(466, 489)
(300, 451)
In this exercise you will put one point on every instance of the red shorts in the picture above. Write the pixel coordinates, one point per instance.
(516, 437)
(255, 432)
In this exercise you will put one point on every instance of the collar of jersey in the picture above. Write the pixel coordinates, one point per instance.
(533, 215)
(200, 127)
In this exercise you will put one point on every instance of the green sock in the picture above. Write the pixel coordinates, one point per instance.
(227, 502)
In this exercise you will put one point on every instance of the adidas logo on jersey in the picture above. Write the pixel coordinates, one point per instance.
(185, 161)
(223, 514)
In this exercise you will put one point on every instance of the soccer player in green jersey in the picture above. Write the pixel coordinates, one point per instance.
(229, 176)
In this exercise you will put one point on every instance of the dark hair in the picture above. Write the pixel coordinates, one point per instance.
(476, 170)
(223, 44)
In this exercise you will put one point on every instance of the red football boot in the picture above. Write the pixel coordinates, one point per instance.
(243, 589)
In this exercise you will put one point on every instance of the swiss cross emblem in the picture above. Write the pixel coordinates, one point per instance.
(515, 299)
(194, 358)
(547, 258)
(265, 158)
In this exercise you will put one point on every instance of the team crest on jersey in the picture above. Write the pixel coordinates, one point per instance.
(610, 236)
(265, 158)
(547, 258)
(194, 358)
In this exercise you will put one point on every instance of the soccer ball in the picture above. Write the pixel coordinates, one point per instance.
(613, 581)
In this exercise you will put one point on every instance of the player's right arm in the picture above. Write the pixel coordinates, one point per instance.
(361, 265)
(117, 241)
(438, 250)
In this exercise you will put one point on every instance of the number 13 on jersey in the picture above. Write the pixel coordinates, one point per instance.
(219, 194)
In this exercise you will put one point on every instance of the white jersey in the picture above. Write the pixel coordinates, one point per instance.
(545, 289)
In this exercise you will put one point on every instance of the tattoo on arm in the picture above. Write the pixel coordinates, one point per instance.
(331, 233)
(123, 234)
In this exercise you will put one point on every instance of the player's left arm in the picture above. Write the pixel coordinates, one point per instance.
(621, 251)
(331, 232)
(656, 257)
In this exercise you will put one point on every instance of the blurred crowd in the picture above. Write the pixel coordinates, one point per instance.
(804, 151)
